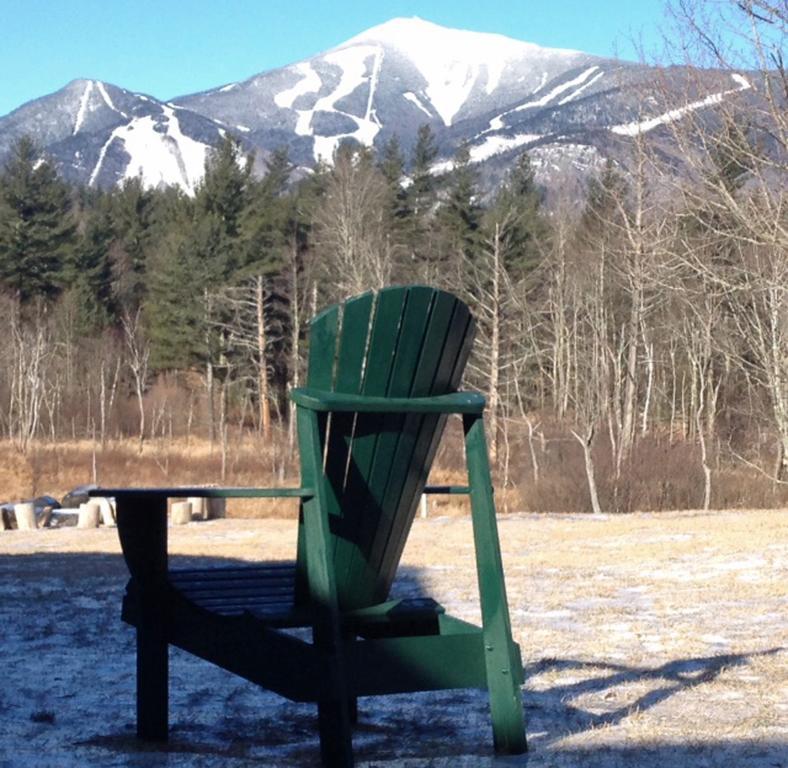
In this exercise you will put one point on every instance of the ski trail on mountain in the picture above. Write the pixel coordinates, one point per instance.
(83, 106)
(108, 100)
(644, 126)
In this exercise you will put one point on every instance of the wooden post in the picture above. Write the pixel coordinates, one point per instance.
(181, 512)
(25, 514)
(199, 507)
(89, 514)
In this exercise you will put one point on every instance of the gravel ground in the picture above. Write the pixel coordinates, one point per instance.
(649, 640)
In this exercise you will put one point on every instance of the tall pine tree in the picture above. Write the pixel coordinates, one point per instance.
(37, 228)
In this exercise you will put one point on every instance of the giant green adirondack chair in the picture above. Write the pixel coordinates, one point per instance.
(382, 377)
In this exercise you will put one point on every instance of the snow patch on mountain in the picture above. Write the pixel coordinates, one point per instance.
(644, 126)
(585, 85)
(83, 106)
(309, 83)
(582, 80)
(494, 145)
(542, 83)
(355, 70)
(414, 99)
(158, 156)
(450, 60)
(108, 100)
(557, 91)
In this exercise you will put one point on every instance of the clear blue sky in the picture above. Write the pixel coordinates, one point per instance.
(171, 47)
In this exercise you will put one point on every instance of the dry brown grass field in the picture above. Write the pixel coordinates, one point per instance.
(648, 640)
(662, 475)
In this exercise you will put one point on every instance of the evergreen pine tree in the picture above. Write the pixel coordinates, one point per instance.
(133, 213)
(91, 283)
(518, 206)
(175, 306)
(264, 219)
(460, 216)
(392, 165)
(422, 189)
(37, 229)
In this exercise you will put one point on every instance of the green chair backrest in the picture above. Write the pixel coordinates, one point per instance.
(409, 341)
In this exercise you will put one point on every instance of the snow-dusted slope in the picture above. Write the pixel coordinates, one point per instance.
(454, 61)
(100, 134)
(499, 95)
(386, 80)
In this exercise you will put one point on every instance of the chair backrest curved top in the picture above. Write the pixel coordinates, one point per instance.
(403, 341)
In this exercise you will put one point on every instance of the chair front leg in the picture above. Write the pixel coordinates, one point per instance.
(501, 659)
(333, 704)
(142, 526)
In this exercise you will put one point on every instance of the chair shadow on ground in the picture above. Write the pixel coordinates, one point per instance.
(678, 676)
(440, 726)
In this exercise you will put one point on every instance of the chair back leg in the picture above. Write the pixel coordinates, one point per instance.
(504, 672)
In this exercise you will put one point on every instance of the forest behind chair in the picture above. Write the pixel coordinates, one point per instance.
(382, 379)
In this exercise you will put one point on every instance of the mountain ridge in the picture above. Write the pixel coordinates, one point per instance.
(498, 95)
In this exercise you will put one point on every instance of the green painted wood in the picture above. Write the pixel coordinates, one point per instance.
(377, 518)
(447, 375)
(456, 402)
(320, 374)
(384, 425)
(180, 492)
(449, 490)
(323, 348)
(356, 314)
(143, 534)
(503, 676)
(405, 664)
(382, 376)
(409, 466)
(333, 711)
(357, 500)
(227, 642)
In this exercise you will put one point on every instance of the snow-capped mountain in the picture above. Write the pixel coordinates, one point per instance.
(100, 134)
(498, 94)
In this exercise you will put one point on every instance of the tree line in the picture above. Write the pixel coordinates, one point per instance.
(633, 335)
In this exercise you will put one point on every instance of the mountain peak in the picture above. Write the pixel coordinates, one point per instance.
(452, 61)
(414, 35)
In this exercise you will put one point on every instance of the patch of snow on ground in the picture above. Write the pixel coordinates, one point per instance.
(644, 126)
(83, 105)
(309, 83)
(229, 87)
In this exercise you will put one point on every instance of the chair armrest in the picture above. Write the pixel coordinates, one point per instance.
(207, 493)
(338, 402)
(142, 523)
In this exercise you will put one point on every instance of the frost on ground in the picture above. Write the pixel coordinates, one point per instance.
(649, 640)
